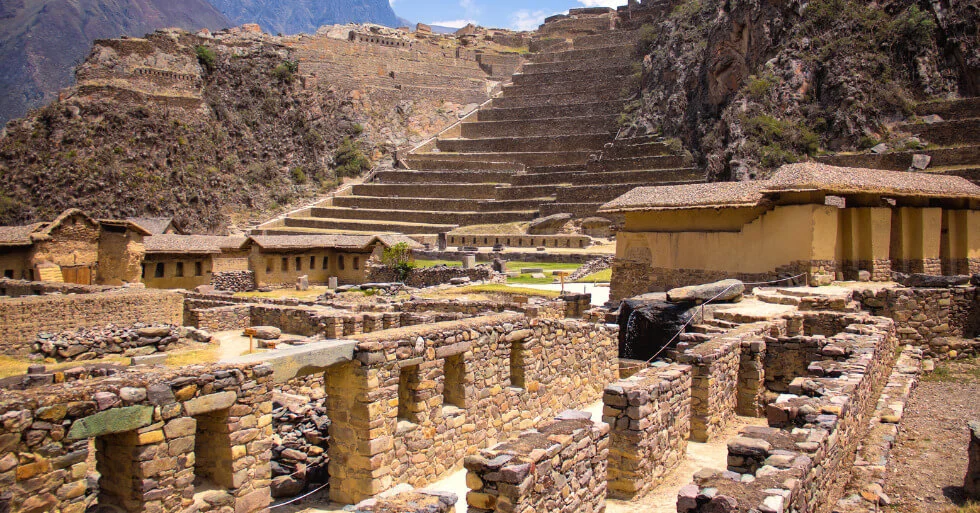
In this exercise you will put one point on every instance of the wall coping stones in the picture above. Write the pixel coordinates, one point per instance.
(291, 362)
(117, 420)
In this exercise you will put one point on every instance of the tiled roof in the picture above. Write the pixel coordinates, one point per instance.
(154, 225)
(199, 244)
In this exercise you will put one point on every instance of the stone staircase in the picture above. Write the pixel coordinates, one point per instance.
(547, 144)
(950, 128)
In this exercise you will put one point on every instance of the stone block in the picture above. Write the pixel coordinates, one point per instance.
(210, 403)
(117, 420)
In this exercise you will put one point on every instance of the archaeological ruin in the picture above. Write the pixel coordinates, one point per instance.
(534, 307)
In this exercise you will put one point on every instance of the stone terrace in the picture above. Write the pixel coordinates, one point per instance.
(540, 147)
(952, 128)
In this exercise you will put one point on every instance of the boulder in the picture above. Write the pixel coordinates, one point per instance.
(286, 486)
(920, 161)
(975, 280)
(725, 290)
(821, 280)
(597, 227)
(548, 225)
(647, 323)
(154, 331)
(931, 282)
(267, 332)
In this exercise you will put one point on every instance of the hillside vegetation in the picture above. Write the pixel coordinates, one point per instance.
(750, 85)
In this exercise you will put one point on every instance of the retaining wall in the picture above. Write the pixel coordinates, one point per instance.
(23, 318)
(929, 317)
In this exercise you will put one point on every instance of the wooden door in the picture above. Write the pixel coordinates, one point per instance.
(82, 275)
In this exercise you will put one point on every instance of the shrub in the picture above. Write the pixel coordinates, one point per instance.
(758, 87)
(914, 28)
(206, 57)
(297, 174)
(285, 71)
(399, 258)
(350, 160)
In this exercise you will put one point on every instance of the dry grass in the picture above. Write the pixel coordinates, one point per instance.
(311, 293)
(14, 366)
(956, 371)
(492, 229)
(494, 288)
(969, 507)
(208, 354)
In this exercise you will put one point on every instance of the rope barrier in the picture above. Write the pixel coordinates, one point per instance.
(301, 497)
(688, 323)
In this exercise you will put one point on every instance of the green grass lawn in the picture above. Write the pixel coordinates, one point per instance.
(604, 276)
(524, 279)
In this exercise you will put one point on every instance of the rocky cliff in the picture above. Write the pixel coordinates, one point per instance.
(752, 84)
(41, 41)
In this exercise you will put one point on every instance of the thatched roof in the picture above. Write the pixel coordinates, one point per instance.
(26, 235)
(154, 225)
(18, 235)
(805, 177)
(328, 241)
(193, 244)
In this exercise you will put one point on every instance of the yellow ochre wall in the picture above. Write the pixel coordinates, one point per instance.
(777, 237)
(277, 276)
(170, 279)
(17, 261)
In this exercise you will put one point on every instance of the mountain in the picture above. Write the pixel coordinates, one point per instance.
(41, 41)
(295, 16)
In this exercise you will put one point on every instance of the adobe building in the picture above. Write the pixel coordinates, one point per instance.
(73, 248)
(157, 225)
(281, 259)
(187, 261)
(808, 218)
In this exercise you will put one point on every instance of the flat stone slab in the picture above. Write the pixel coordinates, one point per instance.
(294, 361)
(116, 420)
(719, 291)
(209, 403)
(829, 291)
(753, 312)
(153, 359)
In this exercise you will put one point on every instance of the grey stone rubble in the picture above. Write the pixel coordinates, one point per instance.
(591, 267)
(89, 344)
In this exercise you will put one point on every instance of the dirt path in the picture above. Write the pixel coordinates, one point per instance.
(925, 473)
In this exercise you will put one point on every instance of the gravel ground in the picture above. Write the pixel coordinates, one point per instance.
(929, 461)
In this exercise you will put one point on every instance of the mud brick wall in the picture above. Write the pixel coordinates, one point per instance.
(802, 461)
(416, 399)
(714, 384)
(22, 319)
(560, 466)
(650, 418)
(923, 315)
(153, 432)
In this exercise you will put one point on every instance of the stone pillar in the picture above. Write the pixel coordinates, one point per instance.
(866, 234)
(469, 261)
(960, 247)
(972, 482)
(915, 236)
(752, 378)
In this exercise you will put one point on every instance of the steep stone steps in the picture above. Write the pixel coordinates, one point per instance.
(527, 128)
(616, 37)
(604, 52)
(549, 143)
(640, 163)
(951, 109)
(644, 177)
(440, 204)
(427, 190)
(562, 99)
(575, 209)
(429, 161)
(423, 216)
(581, 86)
(587, 65)
(947, 133)
(602, 193)
(612, 107)
(521, 192)
(461, 176)
(361, 225)
(533, 158)
(608, 69)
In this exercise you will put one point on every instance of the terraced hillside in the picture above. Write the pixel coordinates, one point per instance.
(547, 144)
(950, 131)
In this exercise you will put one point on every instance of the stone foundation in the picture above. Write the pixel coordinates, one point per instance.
(560, 466)
(235, 281)
(650, 419)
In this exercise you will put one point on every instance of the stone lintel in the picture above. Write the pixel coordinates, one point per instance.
(116, 420)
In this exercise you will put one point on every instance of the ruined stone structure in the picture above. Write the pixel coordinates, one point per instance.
(73, 248)
(544, 145)
(807, 218)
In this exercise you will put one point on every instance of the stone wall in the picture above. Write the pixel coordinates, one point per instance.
(19, 288)
(431, 276)
(635, 278)
(521, 241)
(543, 256)
(928, 317)
(714, 385)
(153, 433)
(235, 281)
(434, 392)
(23, 318)
(802, 461)
(650, 419)
(92, 343)
(560, 466)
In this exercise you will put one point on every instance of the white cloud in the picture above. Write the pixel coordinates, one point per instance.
(457, 24)
(525, 19)
(602, 3)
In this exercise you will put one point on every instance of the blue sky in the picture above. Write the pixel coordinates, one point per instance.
(512, 14)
